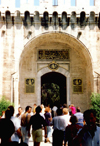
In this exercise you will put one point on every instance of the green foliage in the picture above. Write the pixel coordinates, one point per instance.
(95, 102)
(4, 104)
(50, 93)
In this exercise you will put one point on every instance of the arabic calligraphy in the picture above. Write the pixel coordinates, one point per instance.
(53, 54)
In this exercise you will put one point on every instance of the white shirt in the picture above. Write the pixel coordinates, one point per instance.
(79, 116)
(59, 122)
(54, 108)
(16, 123)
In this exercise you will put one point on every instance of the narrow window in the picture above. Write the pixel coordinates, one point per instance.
(36, 2)
(73, 2)
(91, 2)
(0, 2)
(55, 2)
(17, 3)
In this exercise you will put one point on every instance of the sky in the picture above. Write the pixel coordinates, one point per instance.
(36, 2)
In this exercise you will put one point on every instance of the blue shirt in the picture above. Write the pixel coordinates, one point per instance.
(89, 141)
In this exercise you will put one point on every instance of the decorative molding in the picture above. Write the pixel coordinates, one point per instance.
(53, 65)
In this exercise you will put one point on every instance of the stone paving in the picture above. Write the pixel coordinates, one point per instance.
(42, 143)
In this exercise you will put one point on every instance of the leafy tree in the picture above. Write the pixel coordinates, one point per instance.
(4, 104)
(50, 94)
(95, 104)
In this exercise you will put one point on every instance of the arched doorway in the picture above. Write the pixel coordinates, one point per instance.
(79, 66)
(53, 88)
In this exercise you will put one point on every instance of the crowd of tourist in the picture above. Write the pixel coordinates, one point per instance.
(67, 126)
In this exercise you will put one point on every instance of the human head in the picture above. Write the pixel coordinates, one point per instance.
(64, 105)
(9, 112)
(34, 105)
(78, 109)
(6, 130)
(47, 109)
(90, 117)
(28, 109)
(59, 112)
(73, 119)
(20, 110)
(38, 109)
(65, 111)
(42, 106)
(72, 105)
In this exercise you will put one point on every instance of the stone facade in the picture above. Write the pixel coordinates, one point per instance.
(27, 29)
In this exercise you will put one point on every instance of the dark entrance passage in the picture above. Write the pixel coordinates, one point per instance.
(56, 82)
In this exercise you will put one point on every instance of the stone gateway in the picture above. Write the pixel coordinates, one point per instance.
(49, 42)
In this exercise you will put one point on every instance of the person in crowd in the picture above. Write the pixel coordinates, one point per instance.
(64, 105)
(49, 108)
(30, 111)
(19, 114)
(7, 129)
(25, 118)
(66, 116)
(58, 123)
(9, 115)
(73, 109)
(34, 107)
(3, 114)
(37, 122)
(79, 116)
(48, 119)
(70, 111)
(54, 109)
(42, 111)
(71, 130)
(89, 135)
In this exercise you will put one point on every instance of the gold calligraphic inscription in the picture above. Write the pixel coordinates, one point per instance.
(53, 65)
(53, 54)
(77, 86)
(30, 85)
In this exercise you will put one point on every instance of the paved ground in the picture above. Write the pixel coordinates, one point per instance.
(42, 143)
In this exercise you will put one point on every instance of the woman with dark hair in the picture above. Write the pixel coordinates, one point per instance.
(7, 129)
(9, 115)
(71, 130)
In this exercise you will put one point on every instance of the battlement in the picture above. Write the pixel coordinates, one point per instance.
(62, 19)
(50, 12)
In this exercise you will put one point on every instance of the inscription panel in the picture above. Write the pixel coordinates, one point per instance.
(53, 54)
(29, 85)
(77, 86)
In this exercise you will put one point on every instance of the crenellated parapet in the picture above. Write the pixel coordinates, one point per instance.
(57, 19)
